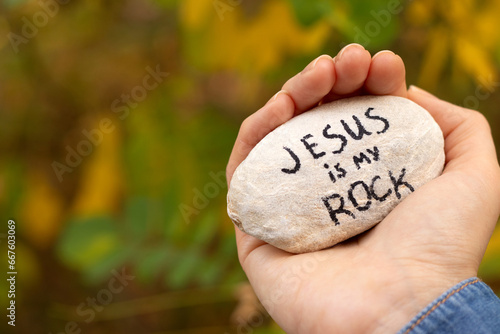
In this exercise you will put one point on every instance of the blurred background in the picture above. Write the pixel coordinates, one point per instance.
(116, 122)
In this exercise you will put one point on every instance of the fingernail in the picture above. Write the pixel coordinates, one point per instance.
(313, 63)
(275, 97)
(339, 55)
(278, 93)
(383, 51)
(419, 90)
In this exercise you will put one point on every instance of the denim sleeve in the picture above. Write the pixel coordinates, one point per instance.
(469, 307)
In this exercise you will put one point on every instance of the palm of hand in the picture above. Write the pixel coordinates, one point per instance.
(435, 238)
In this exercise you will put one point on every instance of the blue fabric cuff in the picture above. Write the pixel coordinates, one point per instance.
(468, 307)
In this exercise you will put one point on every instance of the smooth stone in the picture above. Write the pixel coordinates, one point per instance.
(334, 171)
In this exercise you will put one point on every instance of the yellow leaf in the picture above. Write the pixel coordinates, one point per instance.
(258, 43)
(5, 29)
(464, 31)
(486, 26)
(474, 60)
(420, 13)
(102, 244)
(459, 14)
(434, 59)
(42, 210)
(493, 250)
(27, 263)
(101, 180)
(193, 13)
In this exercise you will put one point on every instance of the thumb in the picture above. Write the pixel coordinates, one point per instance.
(468, 141)
(469, 148)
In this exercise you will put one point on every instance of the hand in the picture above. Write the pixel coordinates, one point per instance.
(434, 239)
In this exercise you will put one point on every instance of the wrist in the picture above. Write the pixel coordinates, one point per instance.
(406, 298)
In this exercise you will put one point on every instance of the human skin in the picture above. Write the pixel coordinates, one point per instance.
(378, 281)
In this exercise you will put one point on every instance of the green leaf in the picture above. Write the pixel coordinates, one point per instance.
(15, 185)
(137, 217)
(184, 270)
(172, 216)
(308, 12)
(205, 229)
(490, 268)
(102, 268)
(14, 3)
(152, 262)
(371, 24)
(268, 330)
(227, 247)
(210, 271)
(88, 240)
(237, 275)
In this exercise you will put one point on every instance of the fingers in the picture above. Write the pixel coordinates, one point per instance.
(386, 75)
(467, 133)
(358, 73)
(462, 205)
(447, 115)
(309, 86)
(276, 112)
(300, 93)
(246, 244)
(351, 66)
(469, 148)
(325, 79)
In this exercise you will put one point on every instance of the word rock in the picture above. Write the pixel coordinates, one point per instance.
(335, 171)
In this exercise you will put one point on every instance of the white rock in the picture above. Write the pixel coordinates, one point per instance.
(334, 171)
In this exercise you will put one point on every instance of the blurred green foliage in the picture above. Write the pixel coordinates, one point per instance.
(145, 198)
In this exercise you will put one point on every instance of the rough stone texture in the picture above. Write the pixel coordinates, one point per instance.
(334, 171)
